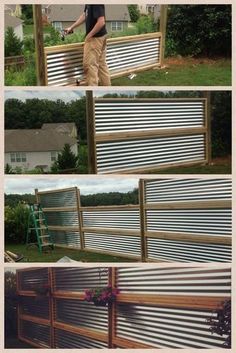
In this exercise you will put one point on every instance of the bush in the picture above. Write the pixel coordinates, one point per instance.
(145, 24)
(16, 222)
(13, 44)
(199, 30)
(134, 13)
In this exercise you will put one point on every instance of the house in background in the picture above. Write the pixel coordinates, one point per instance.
(150, 9)
(38, 148)
(62, 16)
(14, 22)
(69, 129)
(13, 10)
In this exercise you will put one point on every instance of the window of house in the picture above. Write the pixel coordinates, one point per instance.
(54, 156)
(18, 157)
(117, 26)
(57, 25)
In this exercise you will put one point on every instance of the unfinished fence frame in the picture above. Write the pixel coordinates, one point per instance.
(191, 130)
(205, 234)
(198, 291)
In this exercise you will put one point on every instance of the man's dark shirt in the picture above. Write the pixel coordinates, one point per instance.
(92, 13)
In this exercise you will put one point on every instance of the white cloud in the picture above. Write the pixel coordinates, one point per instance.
(66, 95)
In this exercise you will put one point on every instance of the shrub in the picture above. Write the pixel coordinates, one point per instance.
(134, 12)
(25, 77)
(16, 222)
(13, 44)
(145, 24)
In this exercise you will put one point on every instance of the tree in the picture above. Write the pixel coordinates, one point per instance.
(27, 14)
(13, 44)
(134, 12)
(66, 159)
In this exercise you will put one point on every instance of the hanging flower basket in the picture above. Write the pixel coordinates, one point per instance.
(101, 296)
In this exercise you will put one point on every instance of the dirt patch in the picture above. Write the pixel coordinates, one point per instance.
(222, 160)
(180, 61)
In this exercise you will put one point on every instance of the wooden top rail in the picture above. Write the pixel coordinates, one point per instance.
(125, 343)
(109, 207)
(148, 100)
(56, 190)
(60, 209)
(178, 205)
(37, 320)
(117, 231)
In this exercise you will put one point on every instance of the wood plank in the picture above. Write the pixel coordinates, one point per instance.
(111, 309)
(194, 238)
(149, 100)
(109, 208)
(90, 119)
(208, 142)
(63, 228)
(60, 209)
(60, 294)
(37, 320)
(86, 332)
(211, 204)
(113, 253)
(116, 231)
(143, 224)
(52, 314)
(32, 343)
(55, 190)
(173, 301)
(39, 45)
(129, 135)
(125, 343)
(80, 218)
(163, 25)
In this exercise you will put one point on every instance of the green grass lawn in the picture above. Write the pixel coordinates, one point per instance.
(189, 73)
(32, 255)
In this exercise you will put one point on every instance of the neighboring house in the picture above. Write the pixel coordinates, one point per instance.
(150, 9)
(13, 10)
(69, 129)
(14, 22)
(62, 16)
(35, 148)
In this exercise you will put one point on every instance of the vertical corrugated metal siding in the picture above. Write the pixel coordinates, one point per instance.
(66, 339)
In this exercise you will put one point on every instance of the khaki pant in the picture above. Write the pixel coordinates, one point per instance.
(94, 62)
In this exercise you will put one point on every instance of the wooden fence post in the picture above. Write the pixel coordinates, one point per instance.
(142, 220)
(207, 95)
(111, 309)
(37, 197)
(39, 45)
(92, 160)
(80, 218)
(163, 25)
(51, 306)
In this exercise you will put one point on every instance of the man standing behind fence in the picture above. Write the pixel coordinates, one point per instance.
(94, 58)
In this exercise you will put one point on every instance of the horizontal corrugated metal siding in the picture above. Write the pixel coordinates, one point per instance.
(33, 279)
(116, 156)
(175, 280)
(79, 279)
(197, 221)
(66, 238)
(34, 306)
(36, 333)
(183, 251)
(123, 245)
(127, 219)
(66, 339)
(173, 190)
(123, 116)
(167, 328)
(82, 314)
(63, 218)
(58, 199)
(64, 66)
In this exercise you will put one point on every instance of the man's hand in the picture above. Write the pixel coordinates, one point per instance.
(68, 30)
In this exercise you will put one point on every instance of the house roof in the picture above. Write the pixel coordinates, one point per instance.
(35, 140)
(68, 13)
(59, 127)
(11, 21)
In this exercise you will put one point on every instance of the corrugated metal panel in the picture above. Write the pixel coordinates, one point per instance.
(121, 116)
(58, 199)
(36, 333)
(197, 221)
(35, 307)
(127, 219)
(79, 279)
(123, 245)
(34, 278)
(82, 314)
(66, 339)
(149, 152)
(64, 66)
(167, 328)
(70, 239)
(183, 251)
(168, 190)
(177, 280)
(62, 218)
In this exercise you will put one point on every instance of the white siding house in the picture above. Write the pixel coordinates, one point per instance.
(14, 22)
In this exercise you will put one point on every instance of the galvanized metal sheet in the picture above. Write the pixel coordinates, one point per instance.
(66, 238)
(82, 314)
(167, 327)
(36, 333)
(65, 339)
(35, 307)
(29, 280)
(121, 245)
(184, 251)
(58, 199)
(62, 218)
(153, 152)
(187, 189)
(125, 219)
(175, 281)
(79, 279)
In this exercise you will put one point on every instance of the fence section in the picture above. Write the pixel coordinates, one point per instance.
(162, 307)
(187, 219)
(64, 63)
(137, 135)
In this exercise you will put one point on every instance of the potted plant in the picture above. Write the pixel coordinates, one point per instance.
(101, 296)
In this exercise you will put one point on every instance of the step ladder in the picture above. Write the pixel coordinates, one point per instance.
(37, 225)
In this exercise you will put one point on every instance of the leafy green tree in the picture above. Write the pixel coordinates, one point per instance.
(27, 12)
(145, 24)
(66, 159)
(11, 300)
(13, 44)
(16, 221)
(134, 12)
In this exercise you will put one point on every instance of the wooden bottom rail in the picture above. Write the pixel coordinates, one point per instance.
(86, 332)
(173, 301)
(113, 253)
(125, 343)
(68, 295)
(117, 231)
(32, 343)
(37, 320)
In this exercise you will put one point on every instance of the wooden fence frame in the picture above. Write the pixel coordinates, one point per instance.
(171, 301)
(142, 232)
(93, 138)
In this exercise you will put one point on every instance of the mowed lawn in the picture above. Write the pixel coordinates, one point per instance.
(33, 255)
(183, 72)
